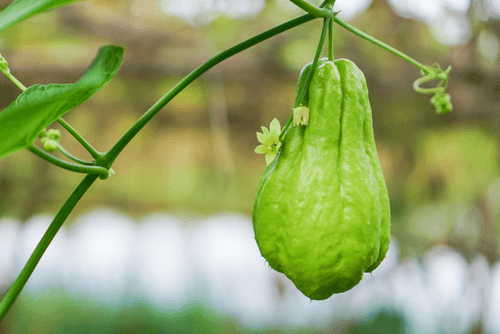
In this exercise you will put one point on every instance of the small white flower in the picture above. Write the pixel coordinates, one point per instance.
(270, 141)
(301, 116)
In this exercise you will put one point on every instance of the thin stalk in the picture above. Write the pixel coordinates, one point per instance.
(111, 155)
(321, 43)
(93, 152)
(4, 68)
(330, 41)
(312, 9)
(47, 238)
(95, 170)
(72, 157)
(15, 81)
(327, 4)
(382, 44)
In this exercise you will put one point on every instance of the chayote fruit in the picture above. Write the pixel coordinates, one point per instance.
(321, 214)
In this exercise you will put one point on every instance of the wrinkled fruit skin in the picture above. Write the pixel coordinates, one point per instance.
(321, 214)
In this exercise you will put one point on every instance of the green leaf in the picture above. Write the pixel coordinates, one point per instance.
(20, 10)
(40, 105)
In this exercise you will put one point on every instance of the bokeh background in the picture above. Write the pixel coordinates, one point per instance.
(166, 244)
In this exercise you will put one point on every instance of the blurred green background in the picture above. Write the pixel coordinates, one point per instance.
(196, 156)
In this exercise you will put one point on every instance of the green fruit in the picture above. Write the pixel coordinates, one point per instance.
(321, 214)
(302, 99)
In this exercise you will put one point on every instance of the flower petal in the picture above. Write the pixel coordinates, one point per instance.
(261, 137)
(270, 157)
(265, 131)
(275, 128)
(300, 116)
(261, 149)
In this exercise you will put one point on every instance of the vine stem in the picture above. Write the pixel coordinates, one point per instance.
(102, 172)
(382, 44)
(93, 152)
(113, 153)
(330, 34)
(324, 32)
(15, 81)
(330, 41)
(72, 157)
(313, 10)
(47, 238)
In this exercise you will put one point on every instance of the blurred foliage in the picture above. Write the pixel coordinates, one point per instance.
(453, 164)
(442, 171)
(59, 313)
(383, 321)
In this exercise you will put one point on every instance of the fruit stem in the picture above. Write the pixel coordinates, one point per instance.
(324, 32)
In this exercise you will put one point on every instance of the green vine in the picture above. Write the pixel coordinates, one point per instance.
(113, 153)
(441, 101)
(72, 157)
(321, 11)
(93, 152)
(47, 238)
(330, 41)
(102, 172)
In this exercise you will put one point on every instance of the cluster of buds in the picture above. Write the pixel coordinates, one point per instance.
(4, 65)
(50, 139)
